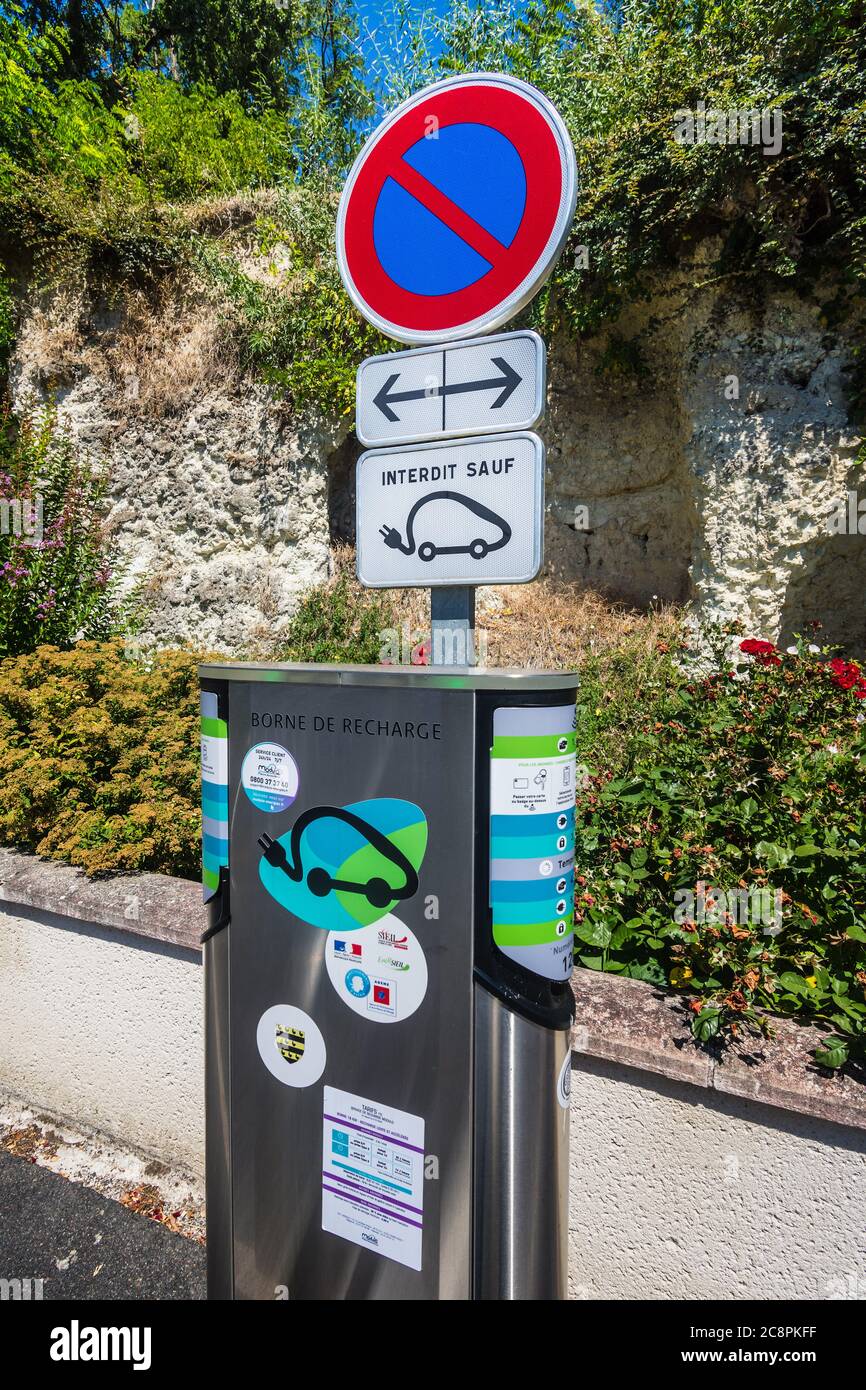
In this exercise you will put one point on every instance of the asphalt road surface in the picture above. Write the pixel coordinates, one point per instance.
(87, 1246)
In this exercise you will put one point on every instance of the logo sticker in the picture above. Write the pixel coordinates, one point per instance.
(394, 963)
(384, 1000)
(400, 983)
(348, 949)
(345, 867)
(291, 1045)
(358, 984)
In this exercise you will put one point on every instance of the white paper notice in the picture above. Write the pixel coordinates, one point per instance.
(373, 1176)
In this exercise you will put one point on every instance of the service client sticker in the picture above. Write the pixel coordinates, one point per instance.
(270, 777)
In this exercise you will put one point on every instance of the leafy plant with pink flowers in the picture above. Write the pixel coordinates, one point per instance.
(58, 570)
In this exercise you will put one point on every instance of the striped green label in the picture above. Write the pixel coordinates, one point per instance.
(535, 746)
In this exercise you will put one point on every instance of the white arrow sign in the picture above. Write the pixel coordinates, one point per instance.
(465, 513)
(482, 384)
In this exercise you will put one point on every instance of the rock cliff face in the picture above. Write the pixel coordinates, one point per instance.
(714, 474)
(707, 469)
(219, 502)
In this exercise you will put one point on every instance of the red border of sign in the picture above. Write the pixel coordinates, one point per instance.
(524, 124)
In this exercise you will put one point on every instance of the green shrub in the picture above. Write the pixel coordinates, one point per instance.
(187, 144)
(721, 835)
(99, 758)
(58, 575)
(339, 621)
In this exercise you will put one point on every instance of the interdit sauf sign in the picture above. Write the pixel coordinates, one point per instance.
(451, 219)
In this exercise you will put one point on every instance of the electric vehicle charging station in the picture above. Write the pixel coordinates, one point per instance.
(388, 997)
(388, 853)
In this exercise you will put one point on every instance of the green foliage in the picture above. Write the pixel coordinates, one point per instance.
(339, 622)
(78, 173)
(307, 342)
(58, 579)
(257, 49)
(99, 758)
(85, 25)
(92, 171)
(236, 46)
(194, 143)
(721, 835)
(201, 100)
(646, 200)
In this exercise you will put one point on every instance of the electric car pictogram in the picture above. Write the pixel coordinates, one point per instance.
(478, 547)
(378, 892)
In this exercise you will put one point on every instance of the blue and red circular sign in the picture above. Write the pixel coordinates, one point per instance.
(456, 209)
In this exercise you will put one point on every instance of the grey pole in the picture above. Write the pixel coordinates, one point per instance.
(452, 620)
(520, 1131)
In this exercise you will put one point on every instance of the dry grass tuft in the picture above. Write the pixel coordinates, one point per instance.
(217, 216)
(560, 625)
(548, 624)
(164, 353)
(152, 353)
(51, 348)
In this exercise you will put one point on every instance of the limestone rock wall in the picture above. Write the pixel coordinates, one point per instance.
(712, 474)
(704, 471)
(220, 507)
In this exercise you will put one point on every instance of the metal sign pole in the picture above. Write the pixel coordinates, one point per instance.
(452, 622)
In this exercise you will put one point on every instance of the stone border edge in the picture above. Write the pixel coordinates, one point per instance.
(639, 1025)
(154, 906)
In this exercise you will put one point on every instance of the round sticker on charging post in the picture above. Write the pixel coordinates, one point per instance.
(291, 1045)
(380, 971)
(563, 1082)
(270, 777)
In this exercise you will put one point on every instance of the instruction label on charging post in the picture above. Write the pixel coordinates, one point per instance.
(532, 792)
(373, 1176)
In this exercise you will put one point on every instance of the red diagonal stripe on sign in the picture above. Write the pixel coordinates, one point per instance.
(448, 212)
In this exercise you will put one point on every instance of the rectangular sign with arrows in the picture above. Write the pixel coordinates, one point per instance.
(465, 513)
(473, 387)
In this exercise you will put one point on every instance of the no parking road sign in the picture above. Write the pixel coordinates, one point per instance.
(483, 384)
(456, 209)
(451, 514)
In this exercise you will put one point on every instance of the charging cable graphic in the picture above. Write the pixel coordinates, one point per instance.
(377, 891)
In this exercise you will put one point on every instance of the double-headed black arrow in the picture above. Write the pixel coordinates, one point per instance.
(385, 398)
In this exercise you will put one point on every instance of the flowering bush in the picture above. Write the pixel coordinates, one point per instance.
(721, 838)
(58, 582)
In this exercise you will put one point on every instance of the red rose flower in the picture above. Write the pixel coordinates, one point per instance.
(845, 675)
(755, 646)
